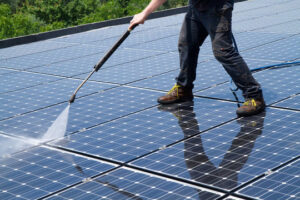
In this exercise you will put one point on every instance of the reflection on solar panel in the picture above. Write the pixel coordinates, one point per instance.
(135, 135)
(232, 154)
(120, 144)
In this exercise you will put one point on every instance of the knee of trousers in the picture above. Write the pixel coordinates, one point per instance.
(222, 54)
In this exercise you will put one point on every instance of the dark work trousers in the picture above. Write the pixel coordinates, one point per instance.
(215, 22)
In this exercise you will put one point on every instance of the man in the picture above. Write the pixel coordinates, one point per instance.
(213, 18)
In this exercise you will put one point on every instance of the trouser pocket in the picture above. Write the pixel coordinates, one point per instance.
(225, 15)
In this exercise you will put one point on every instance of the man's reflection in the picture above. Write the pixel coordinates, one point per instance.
(200, 167)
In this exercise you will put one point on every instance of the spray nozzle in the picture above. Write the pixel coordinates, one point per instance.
(72, 99)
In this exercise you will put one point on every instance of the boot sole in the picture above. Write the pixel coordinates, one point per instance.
(175, 101)
(252, 113)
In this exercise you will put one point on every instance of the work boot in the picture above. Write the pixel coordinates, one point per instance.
(251, 107)
(176, 94)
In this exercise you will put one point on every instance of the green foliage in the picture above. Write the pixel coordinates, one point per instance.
(22, 17)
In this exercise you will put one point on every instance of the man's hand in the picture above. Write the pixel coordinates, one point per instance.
(137, 19)
(141, 17)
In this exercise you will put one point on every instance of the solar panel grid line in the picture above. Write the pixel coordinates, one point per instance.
(31, 175)
(82, 152)
(261, 12)
(283, 140)
(51, 56)
(277, 84)
(164, 167)
(23, 80)
(280, 183)
(133, 71)
(253, 5)
(291, 103)
(262, 44)
(262, 26)
(11, 100)
(36, 46)
(123, 139)
(110, 106)
(139, 37)
(290, 28)
(127, 183)
(274, 50)
(235, 191)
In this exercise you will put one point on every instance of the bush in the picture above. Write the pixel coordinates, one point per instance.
(22, 17)
(13, 25)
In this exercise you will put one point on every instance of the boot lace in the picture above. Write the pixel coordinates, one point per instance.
(250, 102)
(175, 87)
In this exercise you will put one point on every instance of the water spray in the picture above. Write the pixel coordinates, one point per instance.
(102, 61)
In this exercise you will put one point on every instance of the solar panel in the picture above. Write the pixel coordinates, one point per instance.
(257, 23)
(249, 40)
(140, 37)
(6, 71)
(233, 154)
(291, 27)
(41, 96)
(141, 133)
(31, 48)
(210, 73)
(169, 44)
(86, 112)
(120, 144)
(137, 70)
(10, 145)
(292, 103)
(41, 171)
(283, 50)
(21, 80)
(93, 35)
(83, 65)
(281, 184)
(128, 184)
(48, 57)
(277, 84)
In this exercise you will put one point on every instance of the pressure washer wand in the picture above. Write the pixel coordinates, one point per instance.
(102, 61)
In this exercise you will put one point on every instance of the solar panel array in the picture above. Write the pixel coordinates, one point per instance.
(120, 144)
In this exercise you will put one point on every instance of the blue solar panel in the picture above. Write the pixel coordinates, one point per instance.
(230, 155)
(283, 50)
(48, 57)
(277, 84)
(292, 27)
(135, 135)
(6, 71)
(140, 37)
(40, 171)
(31, 48)
(120, 144)
(127, 184)
(280, 184)
(93, 35)
(270, 20)
(87, 112)
(169, 44)
(10, 145)
(293, 103)
(137, 70)
(79, 66)
(21, 80)
(249, 40)
(209, 74)
(48, 94)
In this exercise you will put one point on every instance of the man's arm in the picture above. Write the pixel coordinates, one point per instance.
(142, 16)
